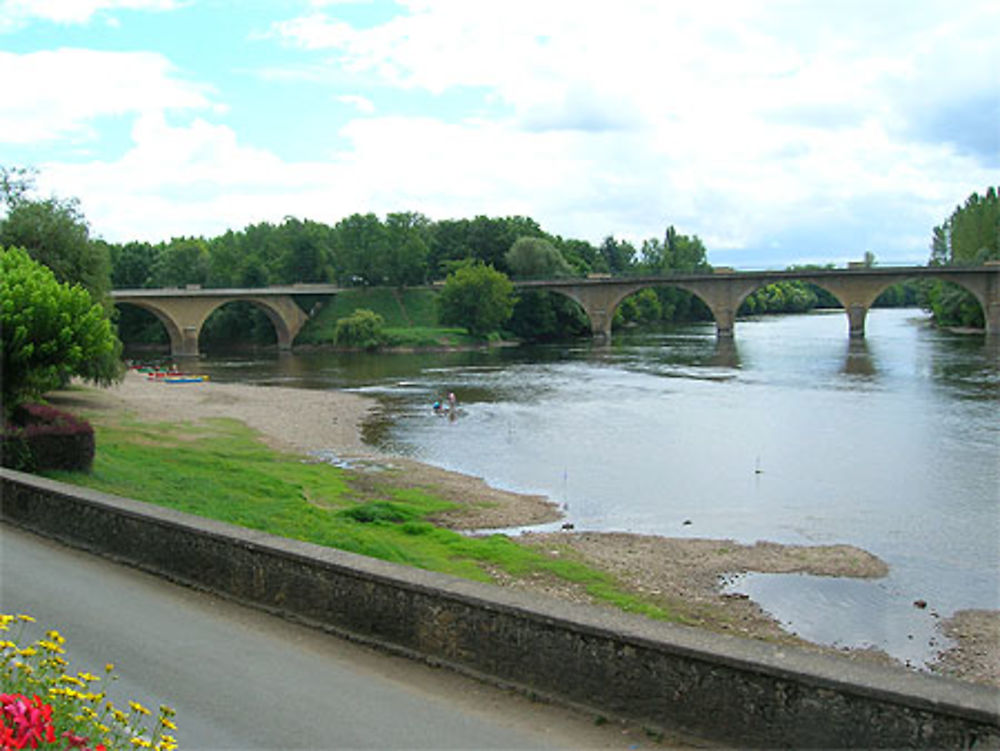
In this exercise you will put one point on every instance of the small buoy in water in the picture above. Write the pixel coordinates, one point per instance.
(687, 522)
(920, 604)
(757, 470)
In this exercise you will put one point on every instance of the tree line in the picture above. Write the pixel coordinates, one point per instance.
(409, 249)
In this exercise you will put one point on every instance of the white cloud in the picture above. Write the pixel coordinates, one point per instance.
(57, 94)
(732, 119)
(749, 124)
(15, 14)
(360, 103)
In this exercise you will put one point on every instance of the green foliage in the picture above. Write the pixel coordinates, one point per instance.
(536, 258)
(780, 297)
(50, 331)
(478, 297)
(540, 315)
(362, 329)
(970, 237)
(55, 233)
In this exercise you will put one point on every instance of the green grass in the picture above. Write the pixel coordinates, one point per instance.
(218, 469)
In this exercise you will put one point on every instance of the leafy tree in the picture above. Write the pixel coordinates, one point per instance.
(15, 184)
(406, 248)
(477, 297)
(305, 252)
(970, 236)
(50, 330)
(540, 315)
(579, 254)
(536, 258)
(184, 260)
(132, 265)
(683, 253)
(619, 256)
(484, 239)
(361, 248)
(362, 329)
(55, 233)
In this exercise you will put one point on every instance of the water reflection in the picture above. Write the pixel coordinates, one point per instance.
(859, 361)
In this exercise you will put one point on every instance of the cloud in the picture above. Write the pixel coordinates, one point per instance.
(362, 104)
(15, 14)
(57, 94)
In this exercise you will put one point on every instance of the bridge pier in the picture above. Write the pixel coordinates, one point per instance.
(856, 316)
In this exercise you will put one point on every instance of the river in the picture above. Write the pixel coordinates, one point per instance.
(791, 433)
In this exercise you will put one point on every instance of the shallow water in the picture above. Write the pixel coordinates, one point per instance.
(792, 434)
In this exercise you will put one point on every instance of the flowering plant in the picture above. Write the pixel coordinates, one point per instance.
(43, 704)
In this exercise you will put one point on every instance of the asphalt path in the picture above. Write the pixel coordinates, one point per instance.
(242, 679)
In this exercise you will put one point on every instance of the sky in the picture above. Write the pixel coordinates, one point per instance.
(779, 132)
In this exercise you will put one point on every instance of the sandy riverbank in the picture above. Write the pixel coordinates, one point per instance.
(681, 574)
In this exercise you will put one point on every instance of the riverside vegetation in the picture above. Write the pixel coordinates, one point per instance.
(220, 470)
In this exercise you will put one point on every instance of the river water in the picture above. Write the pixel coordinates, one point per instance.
(791, 433)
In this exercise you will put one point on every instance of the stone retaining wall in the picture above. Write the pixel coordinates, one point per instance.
(665, 676)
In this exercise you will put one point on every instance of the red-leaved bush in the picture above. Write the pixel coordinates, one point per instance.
(39, 437)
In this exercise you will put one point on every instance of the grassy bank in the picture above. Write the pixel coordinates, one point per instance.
(410, 317)
(219, 469)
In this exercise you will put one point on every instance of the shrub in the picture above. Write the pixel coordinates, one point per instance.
(40, 438)
(362, 329)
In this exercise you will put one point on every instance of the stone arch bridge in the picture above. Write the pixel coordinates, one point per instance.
(723, 291)
(184, 310)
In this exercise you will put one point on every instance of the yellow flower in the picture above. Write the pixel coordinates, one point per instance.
(109, 667)
(167, 711)
(56, 636)
(120, 716)
(137, 707)
(85, 676)
(7, 645)
(169, 724)
(72, 679)
(141, 743)
(27, 652)
(26, 618)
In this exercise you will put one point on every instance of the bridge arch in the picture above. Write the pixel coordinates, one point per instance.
(184, 315)
(174, 333)
(858, 296)
(599, 302)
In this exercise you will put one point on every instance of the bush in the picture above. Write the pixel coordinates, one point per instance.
(478, 297)
(362, 329)
(40, 438)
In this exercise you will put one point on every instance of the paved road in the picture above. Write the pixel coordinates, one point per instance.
(240, 679)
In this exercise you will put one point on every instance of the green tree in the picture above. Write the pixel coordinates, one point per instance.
(184, 260)
(305, 252)
(55, 233)
(618, 255)
(477, 297)
(969, 237)
(362, 329)
(536, 258)
(406, 248)
(361, 249)
(50, 330)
